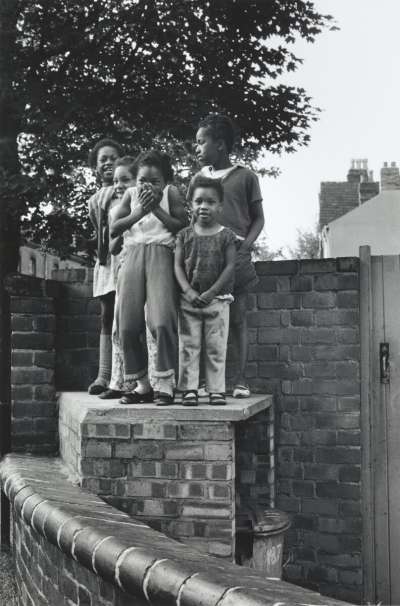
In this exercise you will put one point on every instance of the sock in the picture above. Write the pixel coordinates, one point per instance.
(143, 385)
(165, 385)
(105, 359)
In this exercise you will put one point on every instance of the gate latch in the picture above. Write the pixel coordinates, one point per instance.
(384, 362)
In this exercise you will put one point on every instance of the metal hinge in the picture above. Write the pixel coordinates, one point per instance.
(384, 362)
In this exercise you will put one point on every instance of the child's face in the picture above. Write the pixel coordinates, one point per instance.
(106, 157)
(208, 150)
(123, 179)
(206, 205)
(151, 177)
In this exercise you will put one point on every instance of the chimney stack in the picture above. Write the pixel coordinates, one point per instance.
(390, 176)
(358, 172)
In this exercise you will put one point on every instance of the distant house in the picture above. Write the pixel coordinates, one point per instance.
(361, 211)
(34, 261)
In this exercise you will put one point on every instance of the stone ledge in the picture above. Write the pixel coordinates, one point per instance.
(128, 553)
(92, 408)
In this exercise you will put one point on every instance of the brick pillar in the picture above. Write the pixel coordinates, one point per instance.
(33, 395)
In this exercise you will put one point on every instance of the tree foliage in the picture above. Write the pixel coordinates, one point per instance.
(262, 250)
(307, 245)
(145, 71)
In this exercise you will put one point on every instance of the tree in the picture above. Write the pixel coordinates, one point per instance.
(307, 245)
(262, 250)
(136, 70)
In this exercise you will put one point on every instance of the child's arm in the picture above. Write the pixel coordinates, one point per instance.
(124, 217)
(207, 296)
(115, 245)
(191, 295)
(177, 219)
(257, 223)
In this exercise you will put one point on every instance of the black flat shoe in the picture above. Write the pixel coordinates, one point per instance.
(95, 389)
(164, 399)
(111, 394)
(137, 398)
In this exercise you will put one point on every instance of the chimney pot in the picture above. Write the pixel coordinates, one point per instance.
(393, 164)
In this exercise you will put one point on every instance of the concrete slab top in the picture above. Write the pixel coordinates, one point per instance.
(94, 407)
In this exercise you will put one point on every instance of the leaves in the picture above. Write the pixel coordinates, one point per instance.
(145, 72)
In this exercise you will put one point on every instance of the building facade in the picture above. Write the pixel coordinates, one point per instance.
(361, 211)
(34, 261)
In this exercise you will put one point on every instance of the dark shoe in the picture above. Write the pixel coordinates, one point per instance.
(190, 398)
(164, 399)
(95, 389)
(137, 398)
(111, 394)
(217, 399)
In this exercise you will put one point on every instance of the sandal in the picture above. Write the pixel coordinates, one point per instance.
(164, 399)
(137, 398)
(217, 399)
(241, 391)
(190, 398)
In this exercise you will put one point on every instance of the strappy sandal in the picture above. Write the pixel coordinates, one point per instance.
(190, 398)
(217, 399)
(137, 398)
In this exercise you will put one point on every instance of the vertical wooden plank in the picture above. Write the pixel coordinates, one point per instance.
(379, 438)
(391, 274)
(367, 479)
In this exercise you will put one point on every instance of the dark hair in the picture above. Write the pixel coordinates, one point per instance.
(159, 159)
(129, 162)
(92, 158)
(221, 127)
(200, 180)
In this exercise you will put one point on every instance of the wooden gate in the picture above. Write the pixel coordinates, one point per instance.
(380, 418)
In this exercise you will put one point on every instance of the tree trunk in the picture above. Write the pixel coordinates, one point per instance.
(9, 221)
(9, 224)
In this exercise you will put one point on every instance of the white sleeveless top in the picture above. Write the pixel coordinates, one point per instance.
(149, 230)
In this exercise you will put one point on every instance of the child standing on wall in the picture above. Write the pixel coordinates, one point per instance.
(102, 159)
(243, 213)
(204, 267)
(153, 213)
(124, 177)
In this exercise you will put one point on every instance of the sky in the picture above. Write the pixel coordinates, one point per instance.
(353, 75)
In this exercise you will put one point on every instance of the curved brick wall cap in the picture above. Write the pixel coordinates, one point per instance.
(120, 549)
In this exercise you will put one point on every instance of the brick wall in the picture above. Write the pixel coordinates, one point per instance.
(176, 475)
(78, 329)
(33, 395)
(304, 348)
(304, 333)
(72, 549)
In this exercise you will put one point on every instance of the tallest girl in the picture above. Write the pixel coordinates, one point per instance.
(102, 159)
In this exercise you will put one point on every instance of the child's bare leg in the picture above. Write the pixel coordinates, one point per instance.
(105, 350)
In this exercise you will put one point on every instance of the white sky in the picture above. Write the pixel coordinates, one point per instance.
(353, 75)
